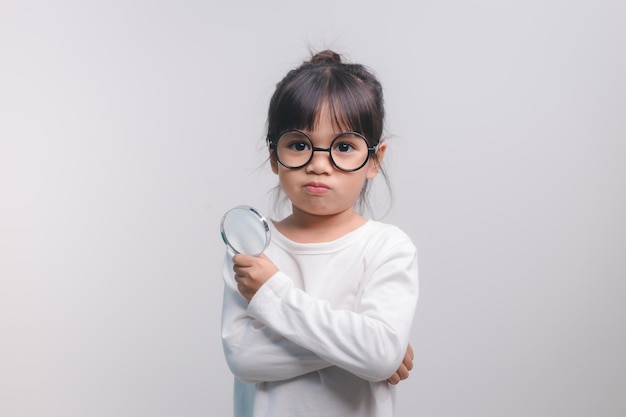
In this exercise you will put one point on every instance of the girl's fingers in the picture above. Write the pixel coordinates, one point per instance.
(394, 379)
(403, 372)
(240, 260)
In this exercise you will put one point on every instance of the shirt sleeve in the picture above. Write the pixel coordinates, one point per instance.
(255, 352)
(370, 341)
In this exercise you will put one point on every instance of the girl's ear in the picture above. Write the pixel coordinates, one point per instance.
(374, 164)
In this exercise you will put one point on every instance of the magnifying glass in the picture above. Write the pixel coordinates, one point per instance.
(245, 230)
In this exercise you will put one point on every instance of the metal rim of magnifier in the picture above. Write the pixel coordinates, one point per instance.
(258, 215)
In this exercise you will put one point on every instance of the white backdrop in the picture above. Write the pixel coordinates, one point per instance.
(128, 127)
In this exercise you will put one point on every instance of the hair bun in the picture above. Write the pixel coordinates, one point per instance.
(326, 57)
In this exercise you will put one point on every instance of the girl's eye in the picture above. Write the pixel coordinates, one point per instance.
(344, 147)
(299, 146)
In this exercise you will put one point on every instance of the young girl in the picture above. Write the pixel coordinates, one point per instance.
(319, 324)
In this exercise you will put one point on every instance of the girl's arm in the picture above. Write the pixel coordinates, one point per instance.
(369, 342)
(254, 352)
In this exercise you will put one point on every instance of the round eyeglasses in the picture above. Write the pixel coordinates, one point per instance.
(349, 151)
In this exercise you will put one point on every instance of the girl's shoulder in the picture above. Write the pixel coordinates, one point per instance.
(384, 235)
(387, 229)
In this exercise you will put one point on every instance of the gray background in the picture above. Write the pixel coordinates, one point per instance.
(128, 127)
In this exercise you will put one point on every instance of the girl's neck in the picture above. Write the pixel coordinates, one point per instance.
(308, 228)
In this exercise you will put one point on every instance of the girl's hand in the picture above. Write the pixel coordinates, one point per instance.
(405, 367)
(251, 272)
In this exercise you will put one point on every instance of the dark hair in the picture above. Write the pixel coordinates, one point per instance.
(352, 93)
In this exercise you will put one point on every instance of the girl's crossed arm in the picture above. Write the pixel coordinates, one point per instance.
(370, 343)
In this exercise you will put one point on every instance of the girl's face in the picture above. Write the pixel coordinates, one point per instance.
(320, 188)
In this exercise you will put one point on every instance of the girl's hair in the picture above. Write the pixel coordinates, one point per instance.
(352, 93)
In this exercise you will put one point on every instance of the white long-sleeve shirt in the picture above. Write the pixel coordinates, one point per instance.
(322, 335)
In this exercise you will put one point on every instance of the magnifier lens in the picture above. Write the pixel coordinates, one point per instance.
(245, 230)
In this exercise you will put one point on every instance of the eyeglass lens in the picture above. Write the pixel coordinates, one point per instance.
(348, 151)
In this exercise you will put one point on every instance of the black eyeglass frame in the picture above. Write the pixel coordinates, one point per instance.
(371, 150)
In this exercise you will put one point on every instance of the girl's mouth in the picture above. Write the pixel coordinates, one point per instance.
(317, 188)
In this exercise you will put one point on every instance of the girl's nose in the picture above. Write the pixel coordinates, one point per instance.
(320, 163)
